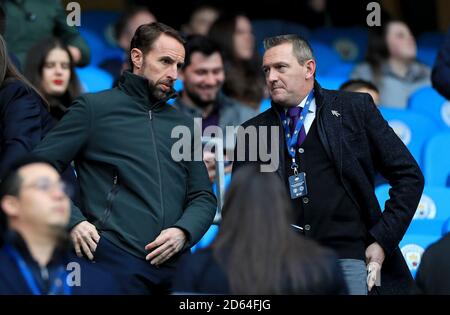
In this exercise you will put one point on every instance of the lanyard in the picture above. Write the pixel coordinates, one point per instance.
(28, 276)
(291, 141)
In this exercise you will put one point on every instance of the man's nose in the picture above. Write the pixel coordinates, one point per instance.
(173, 73)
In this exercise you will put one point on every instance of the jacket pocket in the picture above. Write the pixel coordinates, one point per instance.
(110, 198)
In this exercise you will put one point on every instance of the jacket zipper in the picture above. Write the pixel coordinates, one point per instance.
(150, 116)
(110, 197)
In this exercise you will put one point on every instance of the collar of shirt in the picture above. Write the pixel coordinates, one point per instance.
(312, 107)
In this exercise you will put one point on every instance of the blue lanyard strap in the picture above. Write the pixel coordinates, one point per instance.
(30, 280)
(291, 141)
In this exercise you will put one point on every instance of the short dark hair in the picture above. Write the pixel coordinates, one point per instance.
(300, 46)
(11, 182)
(353, 85)
(147, 34)
(202, 44)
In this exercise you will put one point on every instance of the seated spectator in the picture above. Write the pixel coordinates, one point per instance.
(50, 67)
(257, 250)
(441, 70)
(27, 22)
(124, 31)
(362, 86)
(24, 118)
(35, 258)
(244, 79)
(203, 77)
(200, 21)
(392, 66)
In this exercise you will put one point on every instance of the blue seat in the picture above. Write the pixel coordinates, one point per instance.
(100, 49)
(349, 42)
(429, 102)
(412, 128)
(332, 82)
(94, 79)
(431, 213)
(437, 160)
(326, 57)
(413, 246)
(273, 27)
(98, 21)
(430, 40)
(207, 239)
(265, 105)
(427, 55)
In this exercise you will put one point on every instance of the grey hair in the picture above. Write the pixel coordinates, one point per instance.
(301, 48)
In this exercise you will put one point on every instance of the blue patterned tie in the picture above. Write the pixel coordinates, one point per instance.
(294, 114)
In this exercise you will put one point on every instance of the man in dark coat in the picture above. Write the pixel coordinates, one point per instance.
(328, 158)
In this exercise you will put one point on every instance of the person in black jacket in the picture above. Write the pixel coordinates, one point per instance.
(440, 77)
(34, 255)
(24, 118)
(257, 250)
(141, 209)
(328, 156)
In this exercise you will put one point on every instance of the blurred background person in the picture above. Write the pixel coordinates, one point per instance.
(257, 250)
(28, 21)
(201, 19)
(441, 70)
(362, 86)
(203, 76)
(124, 30)
(24, 116)
(244, 79)
(12, 57)
(391, 64)
(35, 253)
(50, 67)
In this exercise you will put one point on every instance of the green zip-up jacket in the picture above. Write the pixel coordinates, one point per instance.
(131, 187)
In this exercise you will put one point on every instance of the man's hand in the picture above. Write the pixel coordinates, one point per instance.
(167, 244)
(85, 238)
(75, 53)
(374, 260)
(209, 159)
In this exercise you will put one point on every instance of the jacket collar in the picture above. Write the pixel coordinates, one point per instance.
(138, 88)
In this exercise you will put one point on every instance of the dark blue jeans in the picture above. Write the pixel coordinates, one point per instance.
(136, 275)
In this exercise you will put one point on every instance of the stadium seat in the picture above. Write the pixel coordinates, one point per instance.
(430, 40)
(265, 105)
(427, 55)
(430, 221)
(207, 239)
(349, 42)
(429, 102)
(100, 50)
(94, 79)
(434, 206)
(437, 160)
(98, 21)
(331, 82)
(412, 128)
(272, 27)
(326, 57)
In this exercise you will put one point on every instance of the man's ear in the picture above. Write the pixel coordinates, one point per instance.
(10, 206)
(310, 69)
(137, 58)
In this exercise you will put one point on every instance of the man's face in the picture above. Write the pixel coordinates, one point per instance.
(160, 65)
(287, 80)
(203, 78)
(41, 203)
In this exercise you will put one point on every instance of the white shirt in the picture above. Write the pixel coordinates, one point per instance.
(311, 113)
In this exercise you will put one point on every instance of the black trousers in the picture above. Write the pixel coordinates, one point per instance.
(136, 275)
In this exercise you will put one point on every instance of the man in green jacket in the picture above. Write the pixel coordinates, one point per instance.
(29, 21)
(138, 204)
